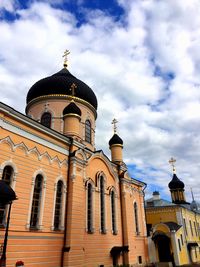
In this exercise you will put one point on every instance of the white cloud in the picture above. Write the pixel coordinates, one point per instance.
(8, 5)
(158, 118)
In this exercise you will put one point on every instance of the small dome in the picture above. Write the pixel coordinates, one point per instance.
(156, 193)
(59, 84)
(176, 183)
(115, 140)
(72, 108)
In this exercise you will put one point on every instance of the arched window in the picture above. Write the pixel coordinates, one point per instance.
(113, 212)
(36, 201)
(46, 119)
(136, 218)
(89, 209)
(102, 205)
(58, 206)
(7, 177)
(88, 137)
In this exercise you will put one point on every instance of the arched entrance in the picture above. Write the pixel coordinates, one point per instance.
(162, 243)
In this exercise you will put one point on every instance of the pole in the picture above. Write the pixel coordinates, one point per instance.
(3, 257)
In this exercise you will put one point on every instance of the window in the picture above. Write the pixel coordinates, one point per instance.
(89, 209)
(136, 218)
(179, 244)
(7, 176)
(58, 206)
(37, 194)
(185, 226)
(88, 131)
(140, 259)
(195, 228)
(113, 212)
(198, 229)
(46, 119)
(102, 205)
(182, 239)
(191, 228)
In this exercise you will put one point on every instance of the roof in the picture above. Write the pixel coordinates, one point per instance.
(60, 84)
(176, 183)
(173, 225)
(115, 140)
(72, 108)
(151, 202)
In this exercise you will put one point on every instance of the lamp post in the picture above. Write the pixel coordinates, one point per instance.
(7, 196)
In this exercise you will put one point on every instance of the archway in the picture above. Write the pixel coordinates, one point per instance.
(162, 243)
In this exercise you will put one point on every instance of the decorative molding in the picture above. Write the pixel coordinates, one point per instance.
(35, 150)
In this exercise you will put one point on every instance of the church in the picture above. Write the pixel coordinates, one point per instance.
(75, 206)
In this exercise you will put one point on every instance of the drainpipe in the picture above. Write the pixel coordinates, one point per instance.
(64, 248)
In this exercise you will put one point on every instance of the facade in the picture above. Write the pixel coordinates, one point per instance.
(173, 227)
(75, 207)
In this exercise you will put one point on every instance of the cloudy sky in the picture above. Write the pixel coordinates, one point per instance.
(141, 58)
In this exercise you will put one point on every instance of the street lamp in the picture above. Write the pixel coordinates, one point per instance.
(7, 195)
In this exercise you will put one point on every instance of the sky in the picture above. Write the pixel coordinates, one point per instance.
(140, 57)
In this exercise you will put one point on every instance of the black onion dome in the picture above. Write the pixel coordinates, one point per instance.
(115, 140)
(72, 108)
(59, 84)
(176, 183)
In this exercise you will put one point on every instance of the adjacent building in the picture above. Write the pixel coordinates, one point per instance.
(173, 227)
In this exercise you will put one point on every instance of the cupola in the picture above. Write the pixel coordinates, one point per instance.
(176, 186)
(116, 145)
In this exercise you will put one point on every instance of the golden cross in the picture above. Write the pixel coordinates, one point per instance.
(171, 162)
(73, 88)
(114, 122)
(66, 53)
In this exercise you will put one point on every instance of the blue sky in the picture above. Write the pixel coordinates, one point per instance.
(141, 58)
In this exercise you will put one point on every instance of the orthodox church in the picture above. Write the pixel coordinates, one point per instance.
(173, 227)
(75, 206)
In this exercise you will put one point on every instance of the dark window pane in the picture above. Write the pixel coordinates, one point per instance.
(113, 211)
(58, 205)
(136, 218)
(88, 131)
(46, 119)
(102, 203)
(89, 208)
(36, 202)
